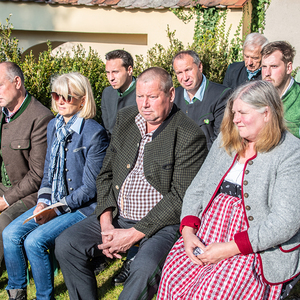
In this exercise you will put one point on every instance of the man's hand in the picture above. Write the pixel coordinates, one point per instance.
(3, 204)
(106, 225)
(119, 240)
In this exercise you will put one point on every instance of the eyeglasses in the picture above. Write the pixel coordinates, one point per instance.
(56, 96)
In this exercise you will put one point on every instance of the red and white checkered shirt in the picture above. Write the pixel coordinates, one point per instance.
(137, 197)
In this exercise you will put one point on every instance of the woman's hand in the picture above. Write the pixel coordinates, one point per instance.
(216, 252)
(191, 241)
(45, 216)
(39, 207)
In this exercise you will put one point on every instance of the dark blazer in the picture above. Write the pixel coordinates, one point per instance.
(236, 74)
(171, 160)
(23, 146)
(84, 155)
(111, 103)
(208, 113)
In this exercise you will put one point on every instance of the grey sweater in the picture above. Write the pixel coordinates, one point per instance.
(270, 190)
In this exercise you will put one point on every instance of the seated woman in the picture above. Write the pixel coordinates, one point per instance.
(76, 149)
(241, 211)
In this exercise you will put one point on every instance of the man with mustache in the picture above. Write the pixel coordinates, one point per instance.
(277, 66)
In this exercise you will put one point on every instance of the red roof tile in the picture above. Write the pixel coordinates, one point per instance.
(144, 4)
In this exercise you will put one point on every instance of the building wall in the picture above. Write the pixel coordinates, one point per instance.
(282, 23)
(101, 28)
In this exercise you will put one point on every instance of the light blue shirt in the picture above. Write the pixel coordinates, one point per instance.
(199, 94)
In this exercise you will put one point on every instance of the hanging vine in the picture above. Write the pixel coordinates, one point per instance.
(258, 20)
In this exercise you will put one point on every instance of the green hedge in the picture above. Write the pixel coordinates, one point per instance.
(214, 49)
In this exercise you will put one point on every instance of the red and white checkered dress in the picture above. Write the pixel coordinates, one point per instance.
(236, 278)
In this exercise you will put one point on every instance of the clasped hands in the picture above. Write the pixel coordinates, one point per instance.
(115, 240)
(213, 253)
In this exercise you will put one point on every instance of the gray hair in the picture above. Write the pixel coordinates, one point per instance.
(165, 79)
(260, 95)
(13, 70)
(191, 53)
(255, 39)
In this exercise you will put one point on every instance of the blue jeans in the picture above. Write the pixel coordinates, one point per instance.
(32, 241)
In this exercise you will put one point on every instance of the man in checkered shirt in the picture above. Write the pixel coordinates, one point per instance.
(154, 154)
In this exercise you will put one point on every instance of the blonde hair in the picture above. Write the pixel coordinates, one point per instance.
(78, 85)
(259, 95)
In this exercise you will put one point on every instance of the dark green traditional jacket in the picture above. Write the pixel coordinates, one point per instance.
(291, 104)
(171, 160)
(208, 113)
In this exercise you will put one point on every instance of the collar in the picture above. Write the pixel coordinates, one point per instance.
(129, 89)
(8, 114)
(76, 127)
(199, 94)
(142, 125)
(252, 74)
(288, 87)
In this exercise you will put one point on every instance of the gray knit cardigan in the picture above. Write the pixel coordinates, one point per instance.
(270, 193)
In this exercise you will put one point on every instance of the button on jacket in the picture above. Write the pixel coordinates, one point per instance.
(85, 151)
(171, 160)
(23, 146)
(271, 201)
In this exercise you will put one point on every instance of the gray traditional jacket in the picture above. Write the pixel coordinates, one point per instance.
(271, 204)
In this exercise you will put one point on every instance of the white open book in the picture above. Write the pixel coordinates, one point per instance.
(57, 204)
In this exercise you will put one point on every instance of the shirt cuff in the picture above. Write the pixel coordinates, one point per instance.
(191, 221)
(57, 211)
(243, 242)
(5, 200)
(43, 200)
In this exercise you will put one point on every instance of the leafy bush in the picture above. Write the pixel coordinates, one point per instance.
(9, 49)
(212, 45)
(210, 42)
(39, 70)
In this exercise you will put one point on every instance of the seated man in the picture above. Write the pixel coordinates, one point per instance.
(154, 154)
(202, 100)
(277, 66)
(121, 92)
(23, 132)
(250, 68)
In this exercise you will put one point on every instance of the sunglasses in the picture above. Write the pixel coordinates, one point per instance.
(56, 96)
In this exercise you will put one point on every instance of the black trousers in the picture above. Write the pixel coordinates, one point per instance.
(77, 246)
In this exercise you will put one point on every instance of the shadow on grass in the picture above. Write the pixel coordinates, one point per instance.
(3, 282)
(104, 279)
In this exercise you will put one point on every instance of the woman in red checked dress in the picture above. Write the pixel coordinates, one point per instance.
(239, 223)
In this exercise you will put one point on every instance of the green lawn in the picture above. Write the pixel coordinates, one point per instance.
(105, 290)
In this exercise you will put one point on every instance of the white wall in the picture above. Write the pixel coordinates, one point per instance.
(104, 29)
(282, 24)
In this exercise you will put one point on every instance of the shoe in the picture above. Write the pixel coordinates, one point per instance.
(120, 278)
(99, 264)
(17, 294)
